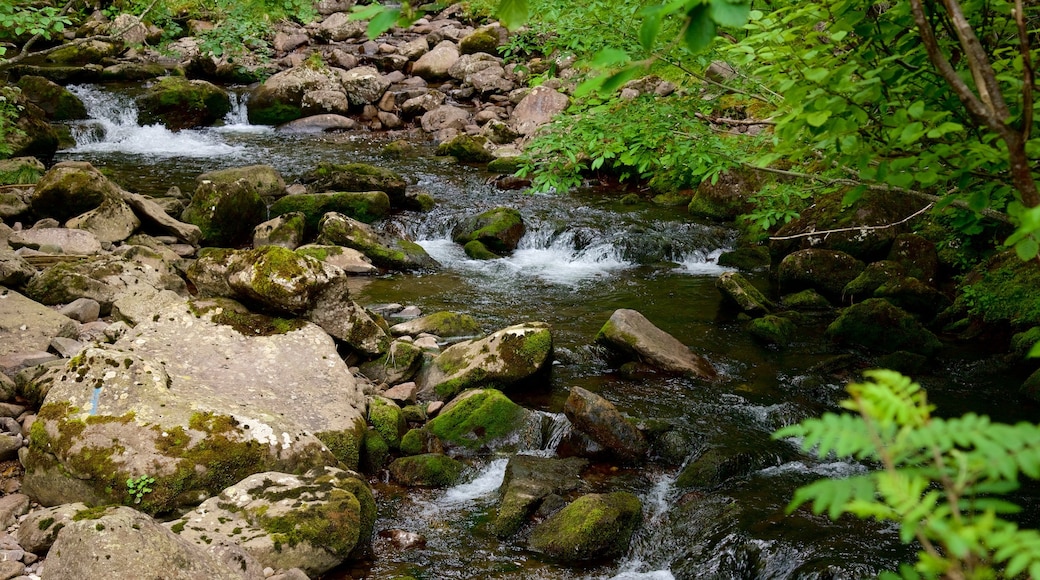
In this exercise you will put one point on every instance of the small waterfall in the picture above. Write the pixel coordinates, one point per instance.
(113, 128)
(645, 551)
(237, 119)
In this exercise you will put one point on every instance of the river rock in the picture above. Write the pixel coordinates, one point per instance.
(280, 98)
(349, 260)
(918, 255)
(357, 177)
(914, 296)
(57, 240)
(347, 321)
(82, 310)
(387, 419)
(210, 271)
(34, 136)
(338, 27)
(435, 64)
(537, 108)
(484, 39)
(426, 470)
(40, 528)
(278, 278)
(121, 542)
(195, 404)
(508, 357)
(14, 270)
(364, 206)
(445, 117)
(285, 230)
(28, 325)
(323, 123)
(105, 278)
(400, 363)
(877, 324)
(736, 290)
(112, 221)
(528, 481)
(313, 522)
(630, 334)
(384, 251)
(443, 324)
(482, 419)
(264, 179)
(225, 212)
(593, 527)
(71, 188)
(875, 275)
(499, 229)
(151, 212)
(57, 102)
(179, 103)
(423, 103)
(772, 329)
(725, 198)
(599, 419)
(466, 148)
(364, 85)
(826, 271)
(322, 102)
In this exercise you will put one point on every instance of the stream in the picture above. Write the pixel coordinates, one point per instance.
(585, 255)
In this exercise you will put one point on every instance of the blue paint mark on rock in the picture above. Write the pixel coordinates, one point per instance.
(94, 400)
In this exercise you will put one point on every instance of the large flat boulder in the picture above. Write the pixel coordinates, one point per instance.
(198, 405)
(630, 334)
(27, 325)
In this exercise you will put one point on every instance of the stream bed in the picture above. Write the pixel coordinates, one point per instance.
(585, 255)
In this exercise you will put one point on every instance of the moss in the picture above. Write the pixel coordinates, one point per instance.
(386, 418)
(427, 470)
(748, 259)
(478, 251)
(466, 148)
(593, 526)
(805, 300)
(180, 104)
(225, 213)
(334, 525)
(45, 523)
(609, 329)
(1003, 290)
(92, 513)
(477, 419)
(356, 177)
(413, 442)
(366, 207)
(508, 165)
(500, 229)
(772, 329)
(251, 324)
(878, 325)
(345, 445)
(375, 453)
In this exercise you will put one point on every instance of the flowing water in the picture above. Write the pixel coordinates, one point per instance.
(584, 256)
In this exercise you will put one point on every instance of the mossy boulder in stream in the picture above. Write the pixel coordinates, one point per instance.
(528, 481)
(593, 527)
(285, 230)
(878, 325)
(386, 418)
(265, 179)
(426, 470)
(357, 177)
(401, 362)
(772, 329)
(364, 206)
(278, 278)
(631, 336)
(739, 292)
(509, 357)
(90, 51)
(34, 136)
(314, 521)
(385, 251)
(478, 419)
(57, 102)
(826, 271)
(443, 324)
(466, 148)
(179, 103)
(1000, 292)
(71, 188)
(499, 229)
(225, 212)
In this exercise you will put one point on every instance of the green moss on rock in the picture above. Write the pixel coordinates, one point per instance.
(592, 527)
(476, 418)
(466, 148)
(366, 207)
(878, 325)
(772, 329)
(478, 251)
(427, 470)
(386, 418)
(179, 103)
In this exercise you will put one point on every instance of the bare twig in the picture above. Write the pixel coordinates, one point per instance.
(825, 233)
(728, 121)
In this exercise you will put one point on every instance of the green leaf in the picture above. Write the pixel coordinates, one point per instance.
(512, 13)
(700, 29)
(366, 12)
(916, 110)
(382, 22)
(614, 81)
(818, 118)
(726, 13)
(1034, 352)
(1027, 248)
(609, 57)
(650, 28)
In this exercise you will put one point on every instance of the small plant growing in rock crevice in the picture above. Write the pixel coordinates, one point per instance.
(137, 487)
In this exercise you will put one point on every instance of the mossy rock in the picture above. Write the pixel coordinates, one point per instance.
(593, 527)
(357, 177)
(278, 278)
(918, 255)
(772, 329)
(499, 229)
(386, 418)
(179, 103)
(825, 271)
(384, 251)
(483, 39)
(1002, 291)
(509, 164)
(478, 251)
(805, 301)
(285, 230)
(400, 363)
(878, 325)
(874, 276)
(226, 213)
(420, 440)
(914, 296)
(375, 453)
(427, 470)
(265, 179)
(466, 148)
(739, 292)
(364, 206)
(1022, 342)
(91, 51)
(725, 199)
(477, 419)
(748, 259)
(34, 136)
(70, 189)
(908, 363)
(57, 102)
(444, 324)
